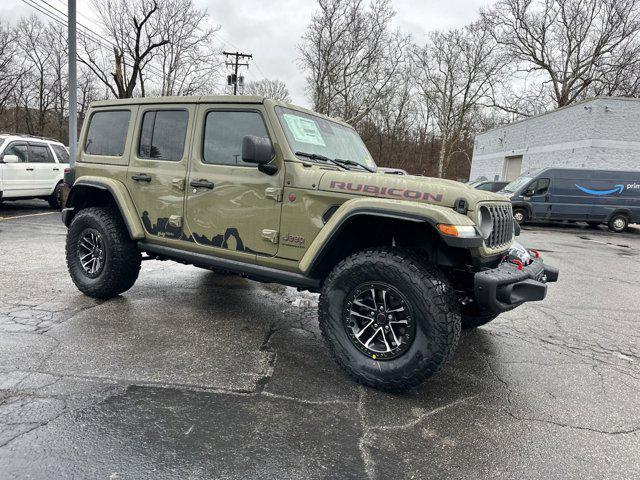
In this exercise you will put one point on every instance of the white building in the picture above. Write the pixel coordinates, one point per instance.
(602, 133)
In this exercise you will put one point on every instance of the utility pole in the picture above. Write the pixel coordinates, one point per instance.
(73, 102)
(235, 63)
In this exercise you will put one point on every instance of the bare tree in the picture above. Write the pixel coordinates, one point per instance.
(275, 89)
(56, 38)
(351, 56)
(188, 61)
(134, 29)
(574, 46)
(32, 40)
(9, 69)
(456, 70)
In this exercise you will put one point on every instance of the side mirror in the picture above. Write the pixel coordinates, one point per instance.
(11, 159)
(257, 150)
(528, 192)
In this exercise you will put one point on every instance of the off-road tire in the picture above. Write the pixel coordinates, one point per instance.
(55, 199)
(618, 223)
(431, 299)
(122, 258)
(520, 215)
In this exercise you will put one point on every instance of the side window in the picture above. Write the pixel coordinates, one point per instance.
(18, 149)
(107, 133)
(162, 134)
(39, 153)
(61, 153)
(542, 186)
(223, 134)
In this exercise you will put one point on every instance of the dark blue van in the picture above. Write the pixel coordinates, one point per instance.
(593, 196)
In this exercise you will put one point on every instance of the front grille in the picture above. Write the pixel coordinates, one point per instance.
(502, 232)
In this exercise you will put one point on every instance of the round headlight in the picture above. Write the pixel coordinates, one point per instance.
(485, 222)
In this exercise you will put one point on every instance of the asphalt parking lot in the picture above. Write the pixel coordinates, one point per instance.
(191, 375)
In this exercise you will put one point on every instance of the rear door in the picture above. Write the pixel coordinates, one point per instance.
(45, 169)
(232, 209)
(18, 178)
(158, 168)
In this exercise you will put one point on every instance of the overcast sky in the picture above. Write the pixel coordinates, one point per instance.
(271, 30)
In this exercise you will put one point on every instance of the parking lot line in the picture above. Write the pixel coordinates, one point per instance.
(29, 215)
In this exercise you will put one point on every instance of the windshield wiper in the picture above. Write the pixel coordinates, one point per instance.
(322, 158)
(355, 164)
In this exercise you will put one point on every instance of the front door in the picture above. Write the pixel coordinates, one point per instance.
(539, 200)
(232, 208)
(158, 168)
(18, 178)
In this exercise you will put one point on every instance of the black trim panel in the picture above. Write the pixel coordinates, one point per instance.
(253, 271)
(379, 212)
(87, 183)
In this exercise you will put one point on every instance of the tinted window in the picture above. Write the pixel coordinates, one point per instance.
(61, 153)
(18, 149)
(223, 134)
(542, 186)
(162, 134)
(40, 154)
(485, 186)
(107, 133)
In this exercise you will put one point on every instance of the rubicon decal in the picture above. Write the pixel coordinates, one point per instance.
(616, 189)
(386, 191)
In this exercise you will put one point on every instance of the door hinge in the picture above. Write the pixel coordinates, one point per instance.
(273, 192)
(270, 235)
(178, 183)
(175, 221)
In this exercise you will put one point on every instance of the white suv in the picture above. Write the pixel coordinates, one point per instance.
(32, 167)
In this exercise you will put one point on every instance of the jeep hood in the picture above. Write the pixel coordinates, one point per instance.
(434, 191)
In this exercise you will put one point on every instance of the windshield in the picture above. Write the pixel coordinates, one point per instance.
(516, 184)
(316, 135)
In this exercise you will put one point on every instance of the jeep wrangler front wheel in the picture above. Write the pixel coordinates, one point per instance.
(102, 260)
(390, 320)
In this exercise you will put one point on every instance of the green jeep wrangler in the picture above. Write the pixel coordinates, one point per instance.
(277, 193)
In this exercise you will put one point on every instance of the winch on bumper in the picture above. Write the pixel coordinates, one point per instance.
(516, 280)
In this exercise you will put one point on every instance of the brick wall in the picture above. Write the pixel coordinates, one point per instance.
(600, 133)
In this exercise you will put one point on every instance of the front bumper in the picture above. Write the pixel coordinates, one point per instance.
(509, 285)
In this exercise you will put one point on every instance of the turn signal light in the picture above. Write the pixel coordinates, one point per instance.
(462, 231)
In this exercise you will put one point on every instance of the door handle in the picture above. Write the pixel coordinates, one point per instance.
(29, 169)
(141, 177)
(202, 184)
(56, 169)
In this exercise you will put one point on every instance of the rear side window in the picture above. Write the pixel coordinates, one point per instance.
(18, 149)
(107, 133)
(61, 153)
(40, 154)
(163, 134)
(223, 134)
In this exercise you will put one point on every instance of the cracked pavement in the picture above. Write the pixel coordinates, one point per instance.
(195, 375)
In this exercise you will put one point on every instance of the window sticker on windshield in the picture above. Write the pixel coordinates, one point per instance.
(304, 130)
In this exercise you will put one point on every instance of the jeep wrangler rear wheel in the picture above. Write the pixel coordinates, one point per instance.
(390, 320)
(102, 260)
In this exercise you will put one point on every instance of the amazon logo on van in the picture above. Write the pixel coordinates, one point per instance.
(616, 189)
